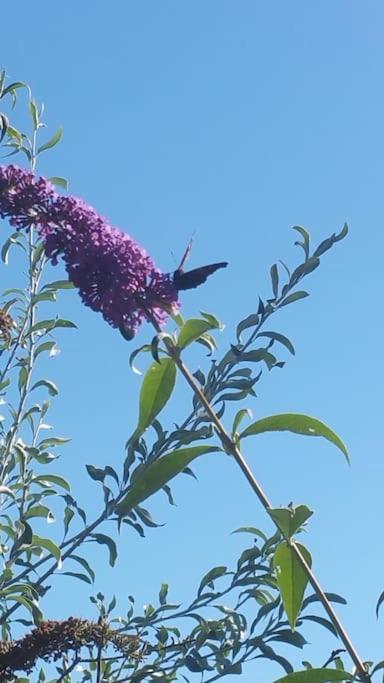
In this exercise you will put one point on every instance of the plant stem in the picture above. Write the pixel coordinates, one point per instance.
(232, 448)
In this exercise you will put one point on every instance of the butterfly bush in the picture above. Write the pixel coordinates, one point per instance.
(113, 273)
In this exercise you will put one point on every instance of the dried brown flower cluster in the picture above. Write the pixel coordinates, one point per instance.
(6, 325)
(51, 639)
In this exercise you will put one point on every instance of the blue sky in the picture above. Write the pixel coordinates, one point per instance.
(231, 121)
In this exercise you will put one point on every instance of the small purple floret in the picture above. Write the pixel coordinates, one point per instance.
(113, 274)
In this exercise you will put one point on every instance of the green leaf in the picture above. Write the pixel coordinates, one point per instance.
(65, 323)
(29, 604)
(379, 603)
(286, 636)
(304, 269)
(85, 565)
(155, 344)
(14, 239)
(377, 667)
(156, 390)
(39, 511)
(77, 575)
(319, 620)
(258, 355)
(316, 676)
(159, 473)
(44, 296)
(177, 318)
(251, 321)
(96, 473)
(49, 325)
(59, 182)
(38, 251)
(296, 296)
(144, 348)
(291, 578)
(60, 284)
(276, 336)
(250, 530)
(53, 441)
(46, 479)
(13, 86)
(289, 520)
(213, 574)
(51, 386)
(298, 424)
(14, 133)
(5, 384)
(45, 346)
(23, 377)
(193, 329)
(52, 141)
(239, 417)
(208, 341)
(4, 123)
(5, 491)
(110, 543)
(332, 597)
(47, 544)
(34, 114)
(68, 516)
(306, 238)
(275, 280)
(330, 241)
(212, 319)
(163, 593)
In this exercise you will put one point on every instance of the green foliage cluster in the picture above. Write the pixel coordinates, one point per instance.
(266, 588)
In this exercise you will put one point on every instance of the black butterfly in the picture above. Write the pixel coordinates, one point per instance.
(193, 278)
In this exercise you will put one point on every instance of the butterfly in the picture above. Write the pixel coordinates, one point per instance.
(193, 278)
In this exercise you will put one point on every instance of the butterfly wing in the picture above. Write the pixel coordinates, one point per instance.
(196, 277)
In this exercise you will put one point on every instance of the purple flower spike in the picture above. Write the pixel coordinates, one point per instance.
(113, 274)
(23, 196)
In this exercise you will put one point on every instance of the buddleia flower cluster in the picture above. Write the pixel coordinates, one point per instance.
(113, 273)
(50, 640)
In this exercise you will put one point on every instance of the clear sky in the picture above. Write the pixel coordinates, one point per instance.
(232, 121)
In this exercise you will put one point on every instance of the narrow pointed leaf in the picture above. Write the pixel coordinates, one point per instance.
(110, 543)
(192, 330)
(250, 321)
(59, 182)
(289, 520)
(250, 530)
(316, 676)
(239, 417)
(275, 279)
(276, 336)
(298, 424)
(296, 296)
(291, 578)
(213, 574)
(51, 386)
(52, 141)
(60, 284)
(159, 473)
(46, 479)
(306, 238)
(5, 491)
(47, 544)
(156, 390)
